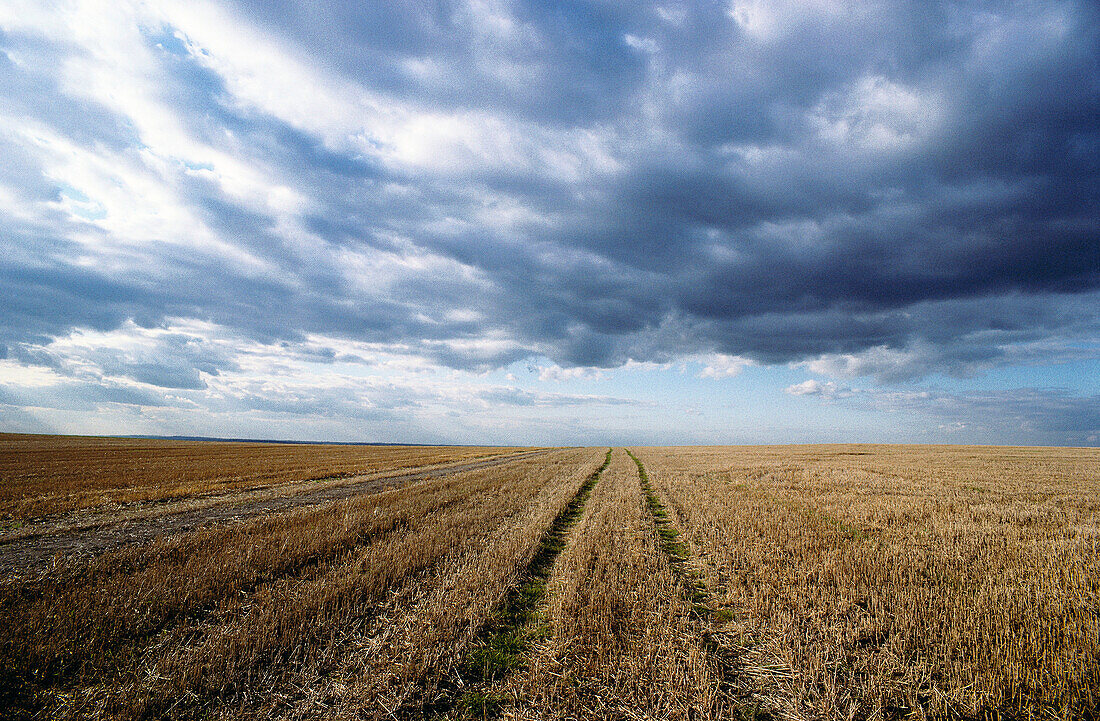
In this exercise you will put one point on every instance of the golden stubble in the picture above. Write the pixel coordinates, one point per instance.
(277, 615)
(891, 580)
(854, 582)
(50, 475)
(624, 641)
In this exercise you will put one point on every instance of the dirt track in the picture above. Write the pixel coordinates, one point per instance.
(87, 535)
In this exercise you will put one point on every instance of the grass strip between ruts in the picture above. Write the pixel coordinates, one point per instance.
(516, 623)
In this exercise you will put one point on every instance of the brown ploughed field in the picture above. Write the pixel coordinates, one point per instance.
(206, 580)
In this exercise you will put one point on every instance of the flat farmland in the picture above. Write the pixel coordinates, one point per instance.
(45, 475)
(240, 581)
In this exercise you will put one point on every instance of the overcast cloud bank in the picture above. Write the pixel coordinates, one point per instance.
(351, 213)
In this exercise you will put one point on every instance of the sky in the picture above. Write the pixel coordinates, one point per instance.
(567, 223)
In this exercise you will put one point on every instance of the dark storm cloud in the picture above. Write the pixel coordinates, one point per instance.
(778, 181)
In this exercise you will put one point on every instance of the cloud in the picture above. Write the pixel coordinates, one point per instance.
(1030, 415)
(827, 390)
(718, 365)
(889, 189)
(517, 397)
(1051, 416)
(558, 374)
(238, 386)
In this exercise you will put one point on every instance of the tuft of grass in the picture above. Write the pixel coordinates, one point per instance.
(724, 615)
(481, 705)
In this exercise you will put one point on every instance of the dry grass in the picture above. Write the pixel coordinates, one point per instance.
(418, 643)
(854, 582)
(42, 475)
(244, 617)
(905, 580)
(625, 641)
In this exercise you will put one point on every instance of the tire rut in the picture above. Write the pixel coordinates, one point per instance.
(36, 554)
(754, 685)
(497, 650)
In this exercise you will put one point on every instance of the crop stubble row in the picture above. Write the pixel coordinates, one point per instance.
(48, 475)
(834, 582)
(624, 640)
(895, 581)
(350, 607)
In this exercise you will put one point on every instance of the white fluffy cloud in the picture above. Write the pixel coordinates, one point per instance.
(824, 389)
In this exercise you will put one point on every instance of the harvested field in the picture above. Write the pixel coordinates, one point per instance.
(44, 475)
(34, 546)
(285, 611)
(831, 582)
(888, 581)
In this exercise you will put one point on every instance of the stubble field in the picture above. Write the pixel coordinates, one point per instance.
(796, 582)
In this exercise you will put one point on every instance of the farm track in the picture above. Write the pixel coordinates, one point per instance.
(93, 534)
(620, 640)
(757, 686)
(498, 648)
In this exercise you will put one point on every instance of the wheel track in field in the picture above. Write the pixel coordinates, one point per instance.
(763, 697)
(497, 650)
(34, 552)
(134, 646)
